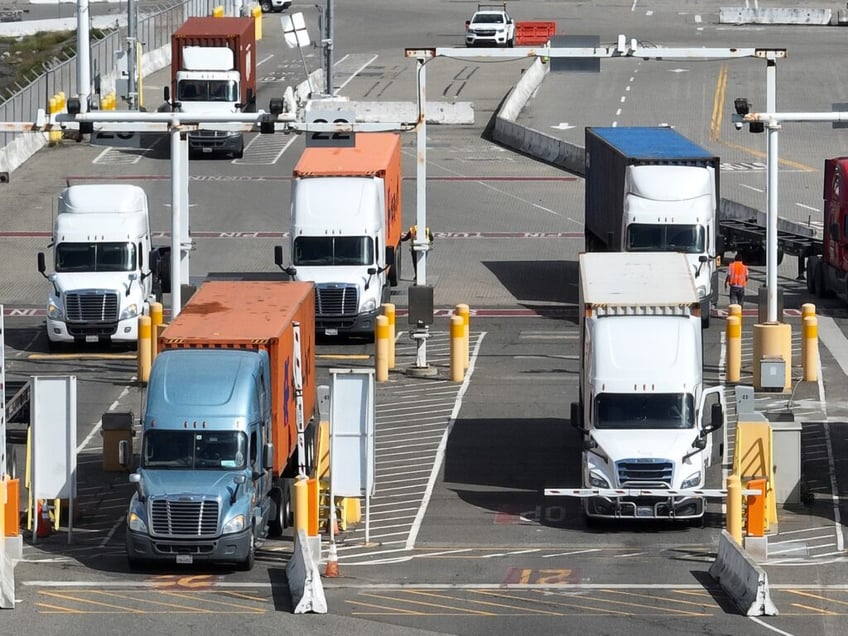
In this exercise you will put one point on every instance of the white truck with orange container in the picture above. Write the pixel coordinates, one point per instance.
(221, 441)
(345, 230)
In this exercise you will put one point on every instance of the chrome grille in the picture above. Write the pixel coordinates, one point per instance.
(184, 518)
(92, 306)
(336, 300)
(641, 473)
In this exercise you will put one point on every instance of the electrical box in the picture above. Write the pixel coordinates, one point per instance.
(420, 305)
(772, 373)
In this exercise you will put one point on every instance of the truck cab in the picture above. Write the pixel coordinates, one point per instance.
(102, 278)
(490, 25)
(205, 466)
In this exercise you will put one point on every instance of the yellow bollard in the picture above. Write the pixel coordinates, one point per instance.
(734, 348)
(810, 346)
(463, 311)
(381, 360)
(807, 310)
(218, 12)
(389, 312)
(301, 505)
(734, 310)
(54, 106)
(734, 507)
(257, 21)
(457, 349)
(156, 312)
(143, 349)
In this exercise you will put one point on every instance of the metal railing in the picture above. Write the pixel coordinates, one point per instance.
(155, 27)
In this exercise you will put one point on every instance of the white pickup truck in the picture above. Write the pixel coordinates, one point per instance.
(490, 26)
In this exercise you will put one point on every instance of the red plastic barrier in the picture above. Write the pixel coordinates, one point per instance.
(534, 33)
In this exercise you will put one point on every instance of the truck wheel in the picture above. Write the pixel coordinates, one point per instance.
(238, 154)
(266, 6)
(510, 42)
(250, 559)
(705, 317)
(809, 274)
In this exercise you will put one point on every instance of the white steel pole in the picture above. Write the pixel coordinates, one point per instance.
(771, 194)
(420, 242)
(83, 55)
(176, 222)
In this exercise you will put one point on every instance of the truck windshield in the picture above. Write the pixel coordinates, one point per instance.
(488, 18)
(644, 411)
(333, 250)
(95, 257)
(207, 91)
(194, 449)
(645, 237)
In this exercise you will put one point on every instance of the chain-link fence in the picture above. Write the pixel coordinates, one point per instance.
(155, 26)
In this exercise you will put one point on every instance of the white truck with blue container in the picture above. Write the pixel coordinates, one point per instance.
(650, 189)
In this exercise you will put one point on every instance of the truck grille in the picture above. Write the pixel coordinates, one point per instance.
(645, 474)
(184, 518)
(92, 306)
(336, 300)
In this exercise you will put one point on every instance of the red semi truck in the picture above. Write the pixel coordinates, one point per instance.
(213, 70)
(827, 271)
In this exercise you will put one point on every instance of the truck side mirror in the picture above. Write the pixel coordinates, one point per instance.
(278, 256)
(576, 416)
(123, 453)
(166, 91)
(268, 456)
(42, 265)
(135, 478)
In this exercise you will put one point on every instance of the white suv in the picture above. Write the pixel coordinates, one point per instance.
(274, 5)
(490, 26)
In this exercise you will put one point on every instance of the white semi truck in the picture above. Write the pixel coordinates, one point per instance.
(102, 278)
(643, 409)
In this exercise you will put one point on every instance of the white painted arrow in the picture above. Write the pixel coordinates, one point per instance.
(563, 126)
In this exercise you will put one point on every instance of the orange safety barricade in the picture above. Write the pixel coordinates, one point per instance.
(12, 513)
(534, 33)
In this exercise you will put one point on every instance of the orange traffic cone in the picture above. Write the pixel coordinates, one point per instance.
(332, 570)
(42, 520)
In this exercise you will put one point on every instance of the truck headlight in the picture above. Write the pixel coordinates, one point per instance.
(236, 524)
(136, 523)
(692, 481)
(131, 311)
(702, 291)
(596, 480)
(54, 311)
(369, 304)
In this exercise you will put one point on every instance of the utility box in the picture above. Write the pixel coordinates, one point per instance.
(786, 449)
(116, 428)
(772, 373)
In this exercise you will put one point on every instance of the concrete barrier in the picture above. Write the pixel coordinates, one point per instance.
(741, 578)
(405, 112)
(745, 15)
(304, 579)
(528, 140)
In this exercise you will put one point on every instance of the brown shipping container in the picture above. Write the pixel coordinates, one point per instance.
(257, 315)
(239, 34)
(375, 155)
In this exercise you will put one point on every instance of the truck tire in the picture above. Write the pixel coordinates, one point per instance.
(809, 275)
(394, 270)
(247, 564)
(705, 317)
(281, 519)
(265, 5)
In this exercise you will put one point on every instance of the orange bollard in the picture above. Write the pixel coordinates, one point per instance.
(734, 348)
(457, 348)
(810, 349)
(381, 361)
(755, 522)
(313, 495)
(12, 513)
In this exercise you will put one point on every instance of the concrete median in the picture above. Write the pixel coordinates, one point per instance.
(795, 15)
(304, 579)
(741, 578)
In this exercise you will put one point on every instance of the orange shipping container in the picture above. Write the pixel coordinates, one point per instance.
(257, 315)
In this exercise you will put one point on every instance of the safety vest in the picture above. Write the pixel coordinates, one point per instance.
(737, 274)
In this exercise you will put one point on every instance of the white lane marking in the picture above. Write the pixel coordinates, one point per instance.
(357, 71)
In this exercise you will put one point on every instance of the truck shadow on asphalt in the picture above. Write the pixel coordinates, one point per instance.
(504, 465)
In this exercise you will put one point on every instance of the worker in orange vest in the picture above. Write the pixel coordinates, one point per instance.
(411, 235)
(737, 278)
